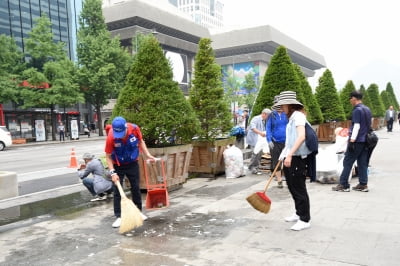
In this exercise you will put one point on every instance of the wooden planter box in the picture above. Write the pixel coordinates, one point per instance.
(326, 132)
(176, 160)
(207, 157)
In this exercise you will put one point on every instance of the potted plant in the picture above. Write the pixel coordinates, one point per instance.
(153, 101)
(207, 99)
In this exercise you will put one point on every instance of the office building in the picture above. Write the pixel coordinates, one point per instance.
(18, 17)
(208, 13)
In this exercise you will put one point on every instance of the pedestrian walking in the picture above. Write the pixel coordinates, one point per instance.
(123, 144)
(390, 115)
(294, 157)
(61, 131)
(357, 149)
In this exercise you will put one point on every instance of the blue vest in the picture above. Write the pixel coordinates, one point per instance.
(126, 152)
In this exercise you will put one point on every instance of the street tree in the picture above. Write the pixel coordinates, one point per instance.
(251, 91)
(207, 94)
(154, 101)
(377, 108)
(344, 98)
(103, 63)
(49, 78)
(11, 65)
(328, 98)
(231, 94)
(280, 76)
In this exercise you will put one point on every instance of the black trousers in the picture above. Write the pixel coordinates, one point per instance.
(131, 171)
(296, 182)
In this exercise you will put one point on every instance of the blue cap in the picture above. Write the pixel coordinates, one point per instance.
(119, 127)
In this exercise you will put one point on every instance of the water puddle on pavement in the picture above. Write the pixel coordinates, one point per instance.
(46, 208)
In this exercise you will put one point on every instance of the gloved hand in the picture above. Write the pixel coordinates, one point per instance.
(270, 145)
(351, 146)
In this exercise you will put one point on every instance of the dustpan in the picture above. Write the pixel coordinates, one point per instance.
(157, 193)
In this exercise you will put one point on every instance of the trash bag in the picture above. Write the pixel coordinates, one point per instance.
(261, 144)
(233, 158)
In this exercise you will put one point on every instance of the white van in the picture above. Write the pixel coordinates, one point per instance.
(5, 138)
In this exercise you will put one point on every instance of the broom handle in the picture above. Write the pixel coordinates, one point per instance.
(272, 175)
(120, 189)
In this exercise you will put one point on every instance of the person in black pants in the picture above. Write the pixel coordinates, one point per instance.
(294, 157)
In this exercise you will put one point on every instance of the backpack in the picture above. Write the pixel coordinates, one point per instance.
(311, 138)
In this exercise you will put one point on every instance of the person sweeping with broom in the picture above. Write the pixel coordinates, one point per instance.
(294, 157)
(122, 151)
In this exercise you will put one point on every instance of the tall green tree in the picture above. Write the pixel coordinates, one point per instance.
(392, 96)
(11, 66)
(280, 76)
(103, 64)
(313, 110)
(377, 108)
(251, 90)
(40, 47)
(386, 99)
(207, 94)
(366, 100)
(231, 94)
(50, 74)
(154, 101)
(344, 98)
(328, 98)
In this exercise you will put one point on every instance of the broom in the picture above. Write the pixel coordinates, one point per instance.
(259, 200)
(131, 217)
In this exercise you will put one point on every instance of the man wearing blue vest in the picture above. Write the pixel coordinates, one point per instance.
(123, 144)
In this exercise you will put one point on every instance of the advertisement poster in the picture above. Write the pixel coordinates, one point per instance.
(40, 131)
(74, 129)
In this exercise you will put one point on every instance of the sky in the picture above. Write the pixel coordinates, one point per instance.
(359, 39)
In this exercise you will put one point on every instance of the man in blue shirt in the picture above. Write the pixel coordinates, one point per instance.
(276, 136)
(356, 148)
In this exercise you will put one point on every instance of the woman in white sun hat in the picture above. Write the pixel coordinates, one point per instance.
(294, 157)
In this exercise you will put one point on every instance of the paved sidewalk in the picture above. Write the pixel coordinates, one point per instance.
(209, 222)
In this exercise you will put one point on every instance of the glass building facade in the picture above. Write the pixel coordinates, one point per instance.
(17, 17)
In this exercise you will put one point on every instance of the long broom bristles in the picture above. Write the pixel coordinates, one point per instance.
(259, 200)
(131, 216)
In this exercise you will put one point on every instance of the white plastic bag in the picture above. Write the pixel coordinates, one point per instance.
(261, 144)
(233, 158)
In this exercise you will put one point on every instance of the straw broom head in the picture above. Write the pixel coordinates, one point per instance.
(131, 216)
(259, 200)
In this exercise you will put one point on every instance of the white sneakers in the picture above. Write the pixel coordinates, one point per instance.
(300, 225)
(97, 198)
(293, 218)
(144, 217)
(117, 223)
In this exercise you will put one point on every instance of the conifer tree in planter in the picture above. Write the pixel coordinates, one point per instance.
(314, 114)
(153, 101)
(331, 107)
(279, 76)
(207, 99)
(344, 98)
(392, 96)
(376, 105)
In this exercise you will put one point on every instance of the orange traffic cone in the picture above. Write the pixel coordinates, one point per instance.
(73, 162)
